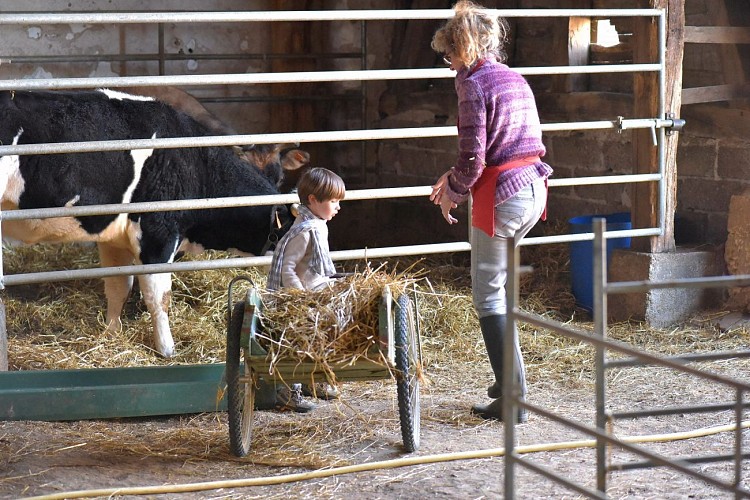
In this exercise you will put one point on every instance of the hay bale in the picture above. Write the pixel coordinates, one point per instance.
(336, 325)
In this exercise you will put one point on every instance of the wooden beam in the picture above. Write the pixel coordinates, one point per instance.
(717, 34)
(579, 43)
(645, 208)
(715, 93)
(582, 106)
(577, 31)
(709, 120)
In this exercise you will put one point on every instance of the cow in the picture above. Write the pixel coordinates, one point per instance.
(144, 175)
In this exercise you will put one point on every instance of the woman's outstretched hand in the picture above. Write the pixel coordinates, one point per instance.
(438, 197)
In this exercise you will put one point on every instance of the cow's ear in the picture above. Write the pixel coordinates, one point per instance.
(294, 209)
(294, 159)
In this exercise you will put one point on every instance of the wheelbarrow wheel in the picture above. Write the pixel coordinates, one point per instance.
(240, 388)
(407, 377)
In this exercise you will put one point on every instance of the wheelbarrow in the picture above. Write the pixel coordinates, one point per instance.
(248, 366)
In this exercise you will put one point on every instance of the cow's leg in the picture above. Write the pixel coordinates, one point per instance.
(116, 288)
(157, 293)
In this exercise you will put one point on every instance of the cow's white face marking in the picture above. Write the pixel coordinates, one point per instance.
(139, 158)
(115, 94)
(11, 182)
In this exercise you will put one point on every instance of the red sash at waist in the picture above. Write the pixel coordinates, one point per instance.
(483, 193)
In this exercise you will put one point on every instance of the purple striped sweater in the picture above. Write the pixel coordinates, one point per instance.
(498, 122)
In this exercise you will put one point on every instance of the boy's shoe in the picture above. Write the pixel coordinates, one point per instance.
(320, 390)
(290, 399)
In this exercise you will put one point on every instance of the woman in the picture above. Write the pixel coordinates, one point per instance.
(499, 150)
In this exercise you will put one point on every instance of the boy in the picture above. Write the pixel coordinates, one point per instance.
(302, 260)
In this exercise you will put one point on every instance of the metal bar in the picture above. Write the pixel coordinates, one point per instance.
(738, 454)
(691, 460)
(600, 357)
(510, 384)
(298, 137)
(711, 356)
(662, 188)
(631, 447)
(565, 238)
(302, 15)
(201, 204)
(103, 272)
(557, 478)
(704, 282)
(623, 348)
(294, 77)
(76, 58)
(608, 179)
(675, 410)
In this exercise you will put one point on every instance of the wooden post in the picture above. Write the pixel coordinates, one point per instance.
(577, 31)
(646, 99)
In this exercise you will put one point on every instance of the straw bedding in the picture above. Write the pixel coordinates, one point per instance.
(61, 325)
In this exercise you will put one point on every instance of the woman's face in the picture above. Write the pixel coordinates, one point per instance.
(453, 62)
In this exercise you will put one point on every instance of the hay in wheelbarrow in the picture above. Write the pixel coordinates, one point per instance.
(337, 325)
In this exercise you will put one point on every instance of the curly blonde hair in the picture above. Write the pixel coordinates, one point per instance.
(472, 34)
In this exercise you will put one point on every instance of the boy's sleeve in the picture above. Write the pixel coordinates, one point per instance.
(293, 255)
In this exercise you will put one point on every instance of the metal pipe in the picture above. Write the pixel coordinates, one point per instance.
(600, 356)
(623, 348)
(633, 448)
(294, 77)
(510, 383)
(273, 16)
(705, 282)
(201, 204)
(81, 58)
(231, 263)
(287, 137)
(675, 410)
(693, 358)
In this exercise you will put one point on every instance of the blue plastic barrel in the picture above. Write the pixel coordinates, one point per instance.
(582, 254)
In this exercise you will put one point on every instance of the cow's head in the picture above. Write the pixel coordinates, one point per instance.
(274, 160)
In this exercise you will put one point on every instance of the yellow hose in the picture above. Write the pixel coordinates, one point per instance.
(386, 464)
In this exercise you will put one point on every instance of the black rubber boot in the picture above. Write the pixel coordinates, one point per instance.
(493, 332)
(494, 411)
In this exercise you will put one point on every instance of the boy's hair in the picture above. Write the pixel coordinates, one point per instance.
(472, 34)
(322, 183)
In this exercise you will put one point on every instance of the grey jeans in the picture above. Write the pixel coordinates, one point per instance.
(489, 256)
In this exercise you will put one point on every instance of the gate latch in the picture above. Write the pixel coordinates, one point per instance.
(677, 124)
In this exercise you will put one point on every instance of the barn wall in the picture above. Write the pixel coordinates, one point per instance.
(133, 44)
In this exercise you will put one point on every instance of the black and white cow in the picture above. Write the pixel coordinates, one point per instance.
(76, 179)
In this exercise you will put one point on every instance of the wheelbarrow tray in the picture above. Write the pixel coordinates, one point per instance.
(248, 364)
(293, 370)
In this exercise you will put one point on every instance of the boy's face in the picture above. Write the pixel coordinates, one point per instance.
(326, 210)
